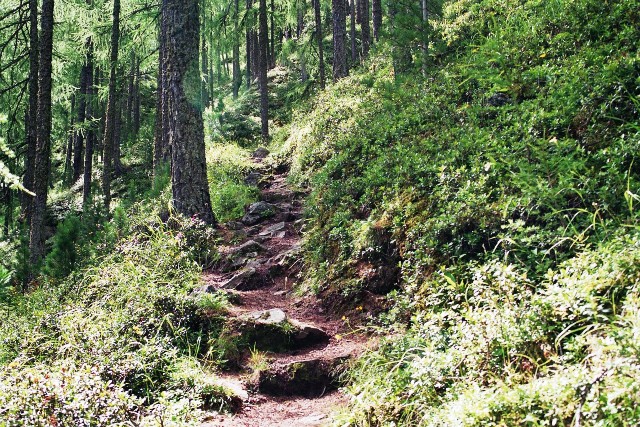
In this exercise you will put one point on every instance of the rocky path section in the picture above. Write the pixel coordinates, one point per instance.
(294, 351)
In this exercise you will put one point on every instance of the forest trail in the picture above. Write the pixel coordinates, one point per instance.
(290, 382)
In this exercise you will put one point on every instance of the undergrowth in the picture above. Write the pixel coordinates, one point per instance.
(494, 203)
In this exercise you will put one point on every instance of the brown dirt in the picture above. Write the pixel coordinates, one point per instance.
(278, 283)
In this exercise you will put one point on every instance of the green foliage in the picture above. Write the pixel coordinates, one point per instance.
(227, 166)
(62, 258)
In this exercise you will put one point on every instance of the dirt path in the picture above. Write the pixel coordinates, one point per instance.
(296, 386)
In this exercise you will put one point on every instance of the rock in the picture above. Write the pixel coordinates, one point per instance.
(258, 212)
(240, 280)
(253, 178)
(246, 248)
(499, 99)
(309, 333)
(206, 289)
(281, 235)
(272, 330)
(274, 316)
(274, 228)
(234, 225)
(260, 153)
(309, 378)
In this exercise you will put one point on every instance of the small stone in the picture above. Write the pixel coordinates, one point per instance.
(248, 247)
(281, 235)
(239, 278)
(234, 225)
(257, 212)
(206, 289)
(270, 230)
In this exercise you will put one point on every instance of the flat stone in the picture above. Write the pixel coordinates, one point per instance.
(239, 279)
(274, 228)
(234, 225)
(309, 332)
(312, 420)
(280, 235)
(247, 248)
(310, 378)
(275, 316)
(206, 289)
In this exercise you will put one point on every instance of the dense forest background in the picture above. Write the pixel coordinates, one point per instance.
(470, 193)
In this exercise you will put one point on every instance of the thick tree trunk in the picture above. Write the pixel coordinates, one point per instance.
(264, 65)
(319, 36)
(188, 167)
(354, 51)
(91, 133)
(43, 148)
(376, 6)
(31, 115)
(236, 52)
(340, 69)
(110, 117)
(366, 28)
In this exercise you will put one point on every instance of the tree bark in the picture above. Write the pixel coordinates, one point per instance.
(319, 36)
(272, 28)
(236, 51)
(43, 148)
(79, 135)
(31, 115)
(354, 52)
(91, 133)
(340, 69)
(69, 150)
(366, 28)
(204, 92)
(110, 117)
(161, 152)
(264, 65)
(249, 40)
(186, 136)
(376, 6)
(136, 100)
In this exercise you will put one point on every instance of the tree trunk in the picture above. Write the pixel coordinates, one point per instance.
(69, 153)
(272, 28)
(319, 36)
(110, 117)
(79, 135)
(136, 100)
(204, 93)
(43, 148)
(160, 142)
(376, 6)
(117, 136)
(128, 123)
(91, 133)
(264, 64)
(366, 28)
(31, 115)
(302, 11)
(354, 51)
(236, 52)
(425, 20)
(186, 136)
(339, 40)
(249, 40)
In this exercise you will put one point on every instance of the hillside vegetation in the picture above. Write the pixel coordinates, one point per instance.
(474, 211)
(497, 203)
